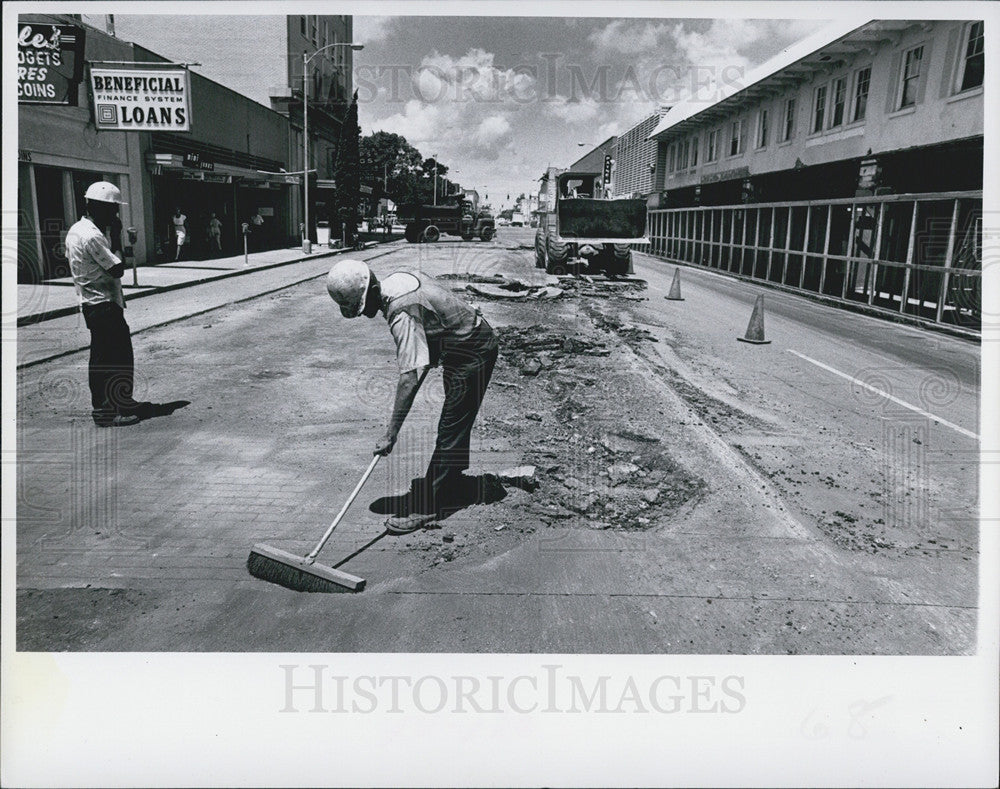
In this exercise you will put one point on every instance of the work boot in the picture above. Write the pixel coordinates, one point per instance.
(410, 523)
(115, 420)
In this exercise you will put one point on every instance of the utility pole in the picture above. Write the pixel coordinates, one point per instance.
(435, 179)
(306, 241)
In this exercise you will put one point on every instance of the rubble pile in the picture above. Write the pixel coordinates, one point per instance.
(603, 288)
(630, 334)
(611, 481)
(534, 348)
(501, 287)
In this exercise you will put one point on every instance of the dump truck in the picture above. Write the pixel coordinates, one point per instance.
(581, 231)
(461, 216)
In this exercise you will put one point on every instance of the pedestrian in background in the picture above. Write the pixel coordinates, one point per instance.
(430, 327)
(97, 273)
(215, 235)
(179, 221)
(257, 230)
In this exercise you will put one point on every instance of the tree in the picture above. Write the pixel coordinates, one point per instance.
(389, 165)
(347, 174)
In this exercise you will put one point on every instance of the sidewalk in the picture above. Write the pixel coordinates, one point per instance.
(49, 323)
(56, 298)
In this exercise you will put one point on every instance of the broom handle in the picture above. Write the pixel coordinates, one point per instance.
(354, 493)
(343, 510)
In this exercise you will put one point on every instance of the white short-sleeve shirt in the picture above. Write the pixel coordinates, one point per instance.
(90, 257)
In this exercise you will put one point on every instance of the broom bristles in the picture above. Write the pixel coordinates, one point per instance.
(293, 572)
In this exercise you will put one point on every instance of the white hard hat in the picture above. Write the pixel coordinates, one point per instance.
(347, 284)
(104, 192)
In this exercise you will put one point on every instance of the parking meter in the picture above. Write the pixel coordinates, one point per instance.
(246, 251)
(129, 252)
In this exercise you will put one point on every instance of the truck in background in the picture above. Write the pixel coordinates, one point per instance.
(460, 216)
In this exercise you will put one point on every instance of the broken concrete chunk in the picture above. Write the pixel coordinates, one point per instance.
(531, 367)
(651, 494)
(494, 292)
(520, 477)
(633, 434)
(517, 472)
(621, 472)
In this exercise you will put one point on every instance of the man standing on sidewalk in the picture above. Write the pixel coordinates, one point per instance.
(430, 326)
(97, 273)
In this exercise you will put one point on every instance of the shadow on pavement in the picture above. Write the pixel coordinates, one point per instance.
(153, 410)
(479, 489)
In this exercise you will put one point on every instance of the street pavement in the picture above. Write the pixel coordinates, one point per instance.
(695, 494)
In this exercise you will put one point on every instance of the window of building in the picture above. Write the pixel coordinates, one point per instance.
(819, 108)
(314, 30)
(839, 102)
(684, 155)
(762, 129)
(862, 79)
(302, 25)
(789, 128)
(736, 138)
(671, 157)
(326, 33)
(712, 150)
(972, 62)
(694, 151)
(911, 77)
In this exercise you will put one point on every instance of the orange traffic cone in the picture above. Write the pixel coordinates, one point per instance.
(755, 329)
(675, 287)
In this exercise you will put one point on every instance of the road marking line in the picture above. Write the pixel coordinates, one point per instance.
(888, 396)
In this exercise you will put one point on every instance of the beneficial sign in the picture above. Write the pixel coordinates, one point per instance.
(142, 99)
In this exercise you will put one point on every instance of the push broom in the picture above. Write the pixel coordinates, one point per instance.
(304, 573)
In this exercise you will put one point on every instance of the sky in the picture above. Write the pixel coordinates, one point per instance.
(500, 99)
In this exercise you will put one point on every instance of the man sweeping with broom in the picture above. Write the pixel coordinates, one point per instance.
(431, 327)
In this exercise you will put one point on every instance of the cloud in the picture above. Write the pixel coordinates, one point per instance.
(418, 123)
(583, 110)
(471, 77)
(492, 129)
(462, 107)
(631, 37)
(369, 29)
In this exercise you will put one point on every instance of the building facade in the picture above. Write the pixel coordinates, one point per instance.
(226, 163)
(850, 166)
(636, 157)
(261, 57)
(593, 160)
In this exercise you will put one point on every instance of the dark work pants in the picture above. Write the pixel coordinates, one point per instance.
(112, 365)
(467, 366)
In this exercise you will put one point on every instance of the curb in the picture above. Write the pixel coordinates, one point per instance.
(40, 317)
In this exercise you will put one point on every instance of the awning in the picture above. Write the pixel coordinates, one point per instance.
(161, 163)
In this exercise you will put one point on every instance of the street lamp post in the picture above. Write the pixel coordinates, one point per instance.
(306, 241)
